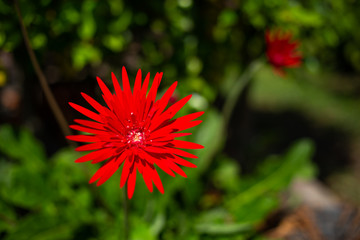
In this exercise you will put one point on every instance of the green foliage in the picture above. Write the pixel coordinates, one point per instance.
(159, 32)
(258, 192)
(257, 195)
(205, 46)
(50, 198)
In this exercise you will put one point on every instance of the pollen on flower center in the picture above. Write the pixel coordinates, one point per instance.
(136, 137)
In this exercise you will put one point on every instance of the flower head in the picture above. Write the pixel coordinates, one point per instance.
(137, 131)
(281, 50)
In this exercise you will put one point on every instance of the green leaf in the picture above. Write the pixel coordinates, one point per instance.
(40, 227)
(85, 53)
(22, 147)
(88, 25)
(259, 192)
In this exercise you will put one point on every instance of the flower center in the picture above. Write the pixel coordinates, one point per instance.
(136, 137)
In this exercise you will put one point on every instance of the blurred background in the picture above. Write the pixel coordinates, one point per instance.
(286, 166)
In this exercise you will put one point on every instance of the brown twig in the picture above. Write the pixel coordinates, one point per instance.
(43, 82)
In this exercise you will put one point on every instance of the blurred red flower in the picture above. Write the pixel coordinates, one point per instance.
(137, 131)
(281, 50)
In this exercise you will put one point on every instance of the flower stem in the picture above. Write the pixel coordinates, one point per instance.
(237, 89)
(228, 109)
(126, 214)
(43, 82)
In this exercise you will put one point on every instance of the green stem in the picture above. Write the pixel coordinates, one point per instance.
(228, 109)
(236, 91)
(126, 214)
(43, 82)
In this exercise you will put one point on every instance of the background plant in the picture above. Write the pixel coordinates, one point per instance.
(206, 46)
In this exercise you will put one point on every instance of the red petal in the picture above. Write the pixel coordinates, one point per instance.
(145, 85)
(161, 163)
(137, 86)
(187, 125)
(90, 124)
(166, 97)
(125, 81)
(154, 87)
(186, 145)
(102, 170)
(92, 155)
(189, 117)
(176, 169)
(156, 179)
(160, 133)
(104, 156)
(110, 170)
(86, 112)
(147, 178)
(131, 183)
(162, 103)
(85, 129)
(176, 135)
(125, 172)
(151, 149)
(172, 110)
(83, 138)
(163, 166)
(182, 153)
(91, 146)
(107, 94)
(97, 106)
(116, 84)
(183, 162)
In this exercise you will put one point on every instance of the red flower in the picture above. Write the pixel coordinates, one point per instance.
(137, 131)
(281, 51)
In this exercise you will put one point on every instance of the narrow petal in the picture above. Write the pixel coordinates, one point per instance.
(107, 94)
(183, 162)
(125, 172)
(189, 117)
(83, 138)
(145, 85)
(102, 170)
(147, 178)
(86, 112)
(172, 110)
(154, 87)
(97, 106)
(186, 145)
(156, 179)
(131, 183)
(160, 163)
(176, 135)
(116, 84)
(91, 146)
(137, 86)
(182, 153)
(104, 156)
(92, 155)
(85, 129)
(176, 169)
(166, 97)
(90, 124)
(110, 170)
(125, 81)
(182, 127)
